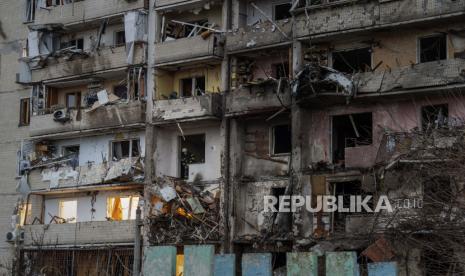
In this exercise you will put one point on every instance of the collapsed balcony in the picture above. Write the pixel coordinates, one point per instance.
(260, 83)
(182, 212)
(186, 43)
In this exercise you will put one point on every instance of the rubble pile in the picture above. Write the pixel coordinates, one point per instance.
(184, 212)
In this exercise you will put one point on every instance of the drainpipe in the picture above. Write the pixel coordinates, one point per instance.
(137, 243)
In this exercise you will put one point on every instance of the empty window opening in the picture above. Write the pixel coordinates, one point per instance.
(281, 11)
(120, 38)
(433, 48)
(72, 151)
(125, 149)
(351, 61)
(73, 43)
(351, 131)
(121, 91)
(73, 100)
(434, 117)
(192, 152)
(282, 139)
(24, 112)
(193, 86)
(346, 190)
(68, 210)
(174, 30)
(281, 70)
(277, 192)
(122, 207)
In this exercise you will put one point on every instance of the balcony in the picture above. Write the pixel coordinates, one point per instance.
(80, 233)
(433, 75)
(259, 36)
(189, 50)
(84, 11)
(111, 116)
(256, 99)
(168, 4)
(352, 15)
(104, 59)
(207, 106)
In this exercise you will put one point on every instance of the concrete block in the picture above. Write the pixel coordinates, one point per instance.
(256, 264)
(225, 265)
(341, 264)
(198, 260)
(302, 264)
(382, 269)
(159, 261)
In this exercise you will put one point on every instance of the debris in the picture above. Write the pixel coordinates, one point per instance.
(195, 205)
(168, 193)
(269, 19)
(380, 251)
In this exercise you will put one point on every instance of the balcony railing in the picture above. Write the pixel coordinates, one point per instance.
(197, 107)
(111, 116)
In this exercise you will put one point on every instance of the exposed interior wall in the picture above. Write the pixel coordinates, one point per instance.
(167, 155)
(167, 82)
(90, 36)
(388, 116)
(213, 15)
(96, 149)
(89, 208)
(266, 6)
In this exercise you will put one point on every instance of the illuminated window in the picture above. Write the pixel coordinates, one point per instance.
(122, 208)
(68, 210)
(23, 216)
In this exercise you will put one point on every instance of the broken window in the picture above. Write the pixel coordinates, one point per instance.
(122, 207)
(346, 190)
(192, 86)
(280, 70)
(192, 152)
(68, 210)
(24, 112)
(73, 100)
(351, 61)
(434, 117)
(282, 139)
(125, 149)
(120, 38)
(30, 10)
(71, 150)
(73, 43)
(433, 48)
(121, 91)
(176, 30)
(281, 11)
(351, 131)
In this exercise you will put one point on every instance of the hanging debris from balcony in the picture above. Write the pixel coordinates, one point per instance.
(183, 212)
(314, 79)
(135, 31)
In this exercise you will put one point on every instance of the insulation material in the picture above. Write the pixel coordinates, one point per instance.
(33, 43)
(55, 176)
(135, 31)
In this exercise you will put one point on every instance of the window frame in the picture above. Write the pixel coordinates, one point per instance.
(27, 115)
(272, 140)
(78, 99)
(60, 203)
(130, 140)
(419, 38)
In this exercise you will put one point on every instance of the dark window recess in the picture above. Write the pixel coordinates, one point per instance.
(277, 192)
(279, 263)
(285, 223)
(73, 100)
(77, 43)
(433, 48)
(281, 11)
(352, 60)
(121, 91)
(346, 190)
(434, 117)
(351, 131)
(24, 112)
(192, 152)
(120, 38)
(125, 149)
(281, 70)
(193, 86)
(282, 139)
(71, 150)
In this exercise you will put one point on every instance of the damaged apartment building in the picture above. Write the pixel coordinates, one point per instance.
(194, 111)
